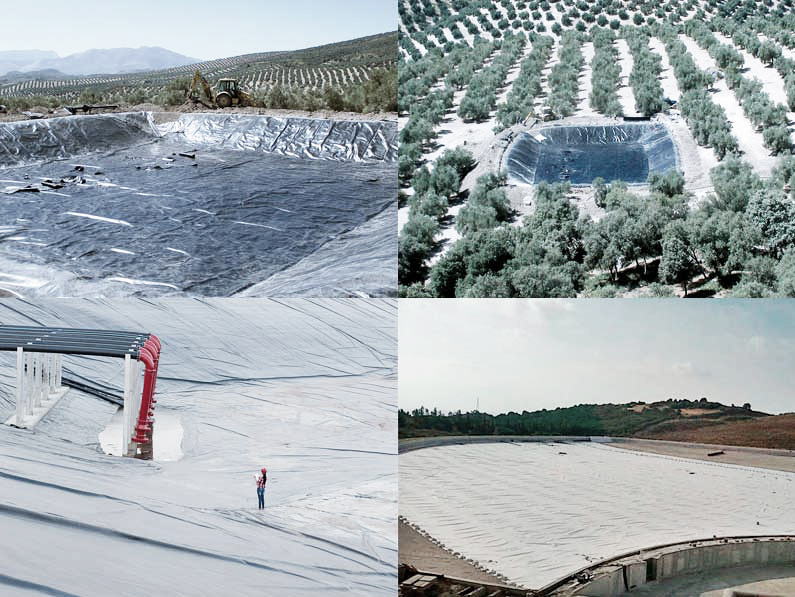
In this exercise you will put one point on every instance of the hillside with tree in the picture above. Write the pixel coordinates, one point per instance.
(635, 419)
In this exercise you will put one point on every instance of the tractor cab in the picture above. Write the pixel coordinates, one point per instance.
(229, 94)
(228, 85)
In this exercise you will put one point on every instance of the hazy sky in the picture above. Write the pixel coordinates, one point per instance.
(532, 354)
(201, 29)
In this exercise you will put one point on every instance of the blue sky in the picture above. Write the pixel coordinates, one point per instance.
(201, 29)
(532, 354)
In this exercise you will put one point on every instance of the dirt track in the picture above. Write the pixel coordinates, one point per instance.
(779, 460)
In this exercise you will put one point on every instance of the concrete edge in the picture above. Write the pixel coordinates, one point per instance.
(615, 576)
(410, 444)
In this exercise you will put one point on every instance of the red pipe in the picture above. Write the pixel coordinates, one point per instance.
(154, 350)
(147, 355)
(156, 342)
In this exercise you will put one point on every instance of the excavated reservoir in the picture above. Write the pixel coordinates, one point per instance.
(536, 512)
(198, 205)
(579, 154)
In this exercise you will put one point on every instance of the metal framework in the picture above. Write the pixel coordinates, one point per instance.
(39, 373)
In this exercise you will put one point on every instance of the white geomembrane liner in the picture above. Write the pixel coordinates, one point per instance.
(535, 515)
(304, 387)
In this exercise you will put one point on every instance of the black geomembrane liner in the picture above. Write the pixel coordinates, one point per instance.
(580, 154)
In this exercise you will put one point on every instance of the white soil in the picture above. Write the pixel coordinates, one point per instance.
(772, 83)
(422, 50)
(668, 81)
(540, 101)
(749, 140)
(625, 94)
(468, 37)
(403, 217)
(695, 160)
(448, 235)
(586, 78)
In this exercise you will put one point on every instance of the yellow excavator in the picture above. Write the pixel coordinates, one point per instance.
(229, 93)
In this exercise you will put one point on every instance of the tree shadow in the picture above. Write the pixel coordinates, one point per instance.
(636, 275)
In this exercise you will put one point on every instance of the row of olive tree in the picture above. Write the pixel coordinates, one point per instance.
(766, 115)
(606, 72)
(766, 50)
(419, 131)
(644, 78)
(707, 120)
(481, 95)
(527, 86)
(563, 79)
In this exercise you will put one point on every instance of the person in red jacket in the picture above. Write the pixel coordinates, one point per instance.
(262, 479)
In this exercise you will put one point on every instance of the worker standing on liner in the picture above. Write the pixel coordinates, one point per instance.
(262, 479)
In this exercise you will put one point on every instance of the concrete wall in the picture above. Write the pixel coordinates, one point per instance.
(417, 443)
(621, 577)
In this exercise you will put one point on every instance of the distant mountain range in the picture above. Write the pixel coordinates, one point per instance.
(111, 61)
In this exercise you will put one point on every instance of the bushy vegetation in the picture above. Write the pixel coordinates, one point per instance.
(708, 122)
(429, 204)
(766, 50)
(425, 113)
(742, 238)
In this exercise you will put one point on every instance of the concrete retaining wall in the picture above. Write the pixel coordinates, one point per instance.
(418, 443)
(621, 577)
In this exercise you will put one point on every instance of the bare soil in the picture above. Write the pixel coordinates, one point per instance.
(697, 412)
(767, 432)
(779, 460)
(417, 550)
(190, 107)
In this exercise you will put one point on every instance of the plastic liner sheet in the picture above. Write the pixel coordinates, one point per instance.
(348, 265)
(304, 387)
(48, 139)
(343, 140)
(579, 154)
(153, 216)
(538, 512)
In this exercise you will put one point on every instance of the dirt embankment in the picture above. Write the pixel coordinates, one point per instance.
(189, 107)
(417, 550)
(768, 432)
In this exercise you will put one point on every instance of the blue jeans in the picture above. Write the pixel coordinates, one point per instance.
(261, 497)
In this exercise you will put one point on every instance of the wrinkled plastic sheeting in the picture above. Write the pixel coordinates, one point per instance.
(539, 512)
(343, 140)
(351, 265)
(579, 154)
(141, 219)
(59, 138)
(304, 387)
